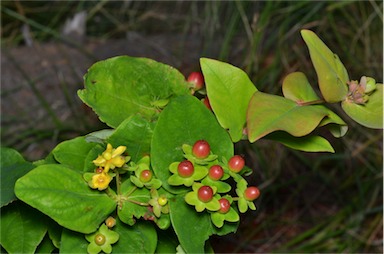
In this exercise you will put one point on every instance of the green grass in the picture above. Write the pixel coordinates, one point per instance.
(310, 202)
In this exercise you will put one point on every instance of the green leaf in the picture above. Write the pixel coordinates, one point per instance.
(296, 87)
(130, 209)
(99, 136)
(135, 133)
(184, 121)
(73, 242)
(63, 195)
(268, 113)
(306, 144)
(12, 166)
(369, 114)
(122, 86)
(46, 246)
(331, 73)
(229, 91)
(89, 166)
(167, 241)
(192, 228)
(139, 238)
(334, 124)
(73, 152)
(22, 228)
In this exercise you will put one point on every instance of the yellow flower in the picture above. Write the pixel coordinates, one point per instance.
(101, 181)
(111, 158)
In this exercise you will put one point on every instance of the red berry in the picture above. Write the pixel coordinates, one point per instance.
(236, 163)
(197, 79)
(216, 172)
(205, 194)
(185, 168)
(207, 103)
(99, 170)
(201, 149)
(146, 175)
(251, 193)
(224, 205)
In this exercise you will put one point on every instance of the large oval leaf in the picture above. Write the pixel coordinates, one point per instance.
(73, 152)
(331, 73)
(139, 238)
(306, 144)
(184, 121)
(268, 113)
(73, 242)
(192, 228)
(12, 167)
(229, 91)
(369, 114)
(63, 195)
(296, 87)
(135, 133)
(121, 86)
(22, 228)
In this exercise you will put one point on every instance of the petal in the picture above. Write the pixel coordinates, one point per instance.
(113, 237)
(118, 161)
(107, 248)
(200, 173)
(217, 219)
(200, 206)
(173, 167)
(93, 248)
(175, 180)
(232, 216)
(243, 206)
(118, 151)
(191, 198)
(213, 205)
(99, 161)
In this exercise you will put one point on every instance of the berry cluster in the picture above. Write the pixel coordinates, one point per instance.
(207, 175)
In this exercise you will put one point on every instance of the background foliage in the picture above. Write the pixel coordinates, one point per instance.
(310, 202)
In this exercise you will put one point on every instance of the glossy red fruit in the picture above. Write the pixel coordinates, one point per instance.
(201, 149)
(146, 175)
(216, 172)
(185, 168)
(197, 79)
(251, 193)
(207, 103)
(205, 194)
(224, 205)
(236, 163)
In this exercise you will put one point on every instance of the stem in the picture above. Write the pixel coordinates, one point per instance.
(138, 203)
(118, 183)
(110, 193)
(319, 101)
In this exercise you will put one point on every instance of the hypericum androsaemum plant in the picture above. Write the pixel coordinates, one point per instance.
(167, 162)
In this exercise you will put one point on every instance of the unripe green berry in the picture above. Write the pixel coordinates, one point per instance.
(162, 201)
(100, 239)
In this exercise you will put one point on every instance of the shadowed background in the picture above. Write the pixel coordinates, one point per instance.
(310, 202)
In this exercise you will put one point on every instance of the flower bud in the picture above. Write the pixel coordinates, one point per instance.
(370, 85)
(110, 222)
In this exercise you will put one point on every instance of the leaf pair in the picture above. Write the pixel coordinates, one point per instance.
(333, 79)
